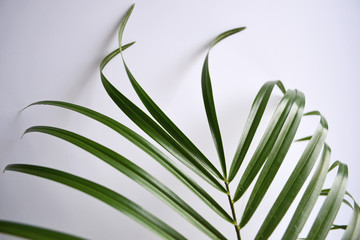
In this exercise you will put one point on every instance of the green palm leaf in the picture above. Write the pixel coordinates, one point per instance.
(295, 181)
(104, 194)
(265, 162)
(331, 205)
(209, 101)
(255, 115)
(160, 116)
(135, 173)
(33, 232)
(266, 143)
(154, 130)
(276, 157)
(158, 134)
(352, 231)
(309, 197)
(147, 147)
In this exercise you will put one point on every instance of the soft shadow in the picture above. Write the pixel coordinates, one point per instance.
(79, 87)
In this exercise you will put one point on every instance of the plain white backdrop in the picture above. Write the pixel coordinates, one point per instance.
(52, 50)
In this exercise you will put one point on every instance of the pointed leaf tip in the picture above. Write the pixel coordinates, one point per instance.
(123, 24)
(312, 113)
(303, 139)
(225, 35)
(281, 86)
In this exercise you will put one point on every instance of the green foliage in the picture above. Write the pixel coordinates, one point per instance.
(264, 163)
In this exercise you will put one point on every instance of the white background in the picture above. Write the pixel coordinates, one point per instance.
(52, 49)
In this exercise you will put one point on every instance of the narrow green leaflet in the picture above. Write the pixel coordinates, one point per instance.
(148, 125)
(352, 232)
(147, 147)
(114, 53)
(275, 158)
(154, 130)
(266, 143)
(171, 128)
(123, 23)
(334, 165)
(33, 232)
(161, 117)
(337, 227)
(211, 114)
(209, 100)
(331, 205)
(303, 139)
(313, 113)
(224, 35)
(325, 192)
(252, 123)
(309, 197)
(135, 173)
(295, 181)
(104, 194)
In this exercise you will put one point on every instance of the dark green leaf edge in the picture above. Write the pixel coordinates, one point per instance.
(33, 232)
(135, 173)
(104, 194)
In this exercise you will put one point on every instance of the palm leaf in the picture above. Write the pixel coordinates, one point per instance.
(155, 131)
(33, 232)
(331, 205)
(160, 116)
(147, 147)
(264, 163)
(352, 231)
(135, 173)
(209, 101)
(325, 192)
(266, 143)
(309, 197)
(295, 181)
(104, 194)
(276, 157)
(255, 115)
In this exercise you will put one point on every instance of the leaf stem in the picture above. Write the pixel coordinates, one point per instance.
(231, 202)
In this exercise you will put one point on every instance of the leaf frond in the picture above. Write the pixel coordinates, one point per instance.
(33, 232)
(103, 194)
